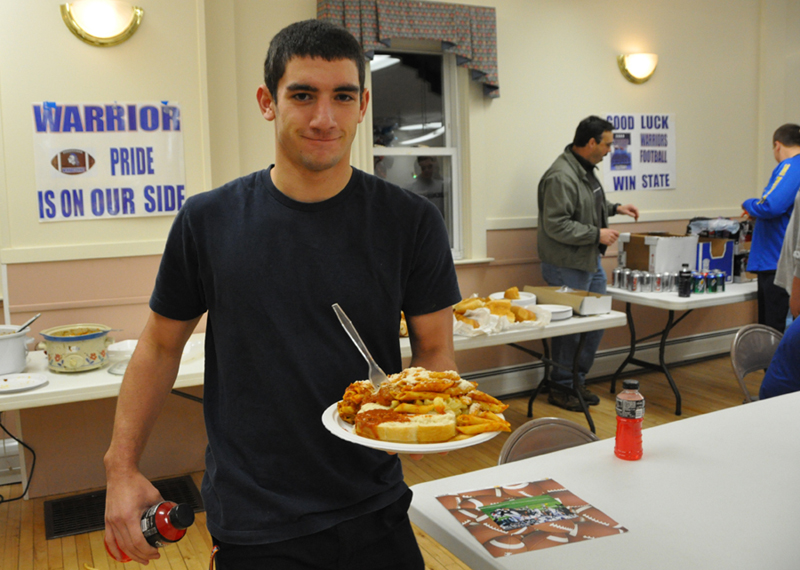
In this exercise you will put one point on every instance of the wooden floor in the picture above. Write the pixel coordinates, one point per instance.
(705, 386)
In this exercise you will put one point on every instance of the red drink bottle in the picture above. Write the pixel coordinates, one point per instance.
(166, 522)
(630, 412)
(163, 523)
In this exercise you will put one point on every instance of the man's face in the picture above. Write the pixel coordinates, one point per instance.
(426, 168)
(316, 112)
(598, 150)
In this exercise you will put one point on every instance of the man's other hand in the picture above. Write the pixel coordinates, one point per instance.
(608, 236)
(628, 210)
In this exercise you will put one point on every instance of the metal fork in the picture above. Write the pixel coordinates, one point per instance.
(376, 375)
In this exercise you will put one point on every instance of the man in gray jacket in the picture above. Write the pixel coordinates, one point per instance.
(573, 236)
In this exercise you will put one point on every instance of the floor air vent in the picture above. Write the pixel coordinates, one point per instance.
(85, 513)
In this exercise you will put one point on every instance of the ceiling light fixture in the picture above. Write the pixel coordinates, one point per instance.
(423, 138)
(381, 61)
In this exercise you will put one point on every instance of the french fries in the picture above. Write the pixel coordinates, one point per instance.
(482, 422)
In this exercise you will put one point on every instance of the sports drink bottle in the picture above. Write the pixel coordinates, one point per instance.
(630, 413)
(162, 524)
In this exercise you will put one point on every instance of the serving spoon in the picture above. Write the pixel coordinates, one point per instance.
(28, 322)
(376, 375)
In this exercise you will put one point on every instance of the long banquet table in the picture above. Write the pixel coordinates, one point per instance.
(712, 491)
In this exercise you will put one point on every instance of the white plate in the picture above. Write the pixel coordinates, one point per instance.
(10, 383)
(124, 349)
(345, 431)
(557, 312)
(525, 298)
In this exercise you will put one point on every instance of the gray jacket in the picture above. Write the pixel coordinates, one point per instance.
(569, 231)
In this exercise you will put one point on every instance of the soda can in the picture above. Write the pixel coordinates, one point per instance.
(626, 279)
(635, 282)
(647, 282)
(711, 282)
(658, 282)
(698, 283)
(671, 282)
(618, 277)
(721, 276)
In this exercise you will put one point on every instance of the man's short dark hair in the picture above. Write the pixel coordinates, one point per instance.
(787, 135)
(311, 38)
(591, 127)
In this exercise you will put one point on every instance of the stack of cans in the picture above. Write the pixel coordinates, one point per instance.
(644, 281)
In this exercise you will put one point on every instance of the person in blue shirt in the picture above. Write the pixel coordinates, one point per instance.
(783, 373)
(771, 213)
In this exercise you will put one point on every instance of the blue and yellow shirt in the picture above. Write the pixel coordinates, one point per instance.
(772, 212)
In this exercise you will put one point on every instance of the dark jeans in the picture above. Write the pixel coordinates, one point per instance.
(565, 347)
(773, 302)
(383, 540)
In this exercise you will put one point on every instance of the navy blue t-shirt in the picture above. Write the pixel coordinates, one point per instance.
(267, 269)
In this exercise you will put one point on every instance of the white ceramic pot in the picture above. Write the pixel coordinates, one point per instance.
(13, 349)
(76, 348)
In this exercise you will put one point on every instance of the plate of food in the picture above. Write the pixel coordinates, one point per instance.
(517, 297)
(12, 383)
(557, 312)
(416, 411)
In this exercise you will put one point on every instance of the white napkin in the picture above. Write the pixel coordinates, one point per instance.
(490, 323)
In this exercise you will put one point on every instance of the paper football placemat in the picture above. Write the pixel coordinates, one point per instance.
(524, 517)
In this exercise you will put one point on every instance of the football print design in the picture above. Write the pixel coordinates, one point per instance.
(528, 516)
(73, 161)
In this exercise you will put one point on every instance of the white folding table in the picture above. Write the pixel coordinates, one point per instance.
(711, 491)
(734, 293)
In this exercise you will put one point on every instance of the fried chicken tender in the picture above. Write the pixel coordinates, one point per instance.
(511, 293)
(467, 305)
(523, 314)
(403, 325)
(472, 322)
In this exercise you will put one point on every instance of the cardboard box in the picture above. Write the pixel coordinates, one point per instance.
(657, 252)
(716, 254)
(582, 302)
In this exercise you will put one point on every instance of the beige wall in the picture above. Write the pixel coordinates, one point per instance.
(729, 81)
(40, 60)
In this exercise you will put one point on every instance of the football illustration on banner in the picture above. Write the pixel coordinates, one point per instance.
(72, 161)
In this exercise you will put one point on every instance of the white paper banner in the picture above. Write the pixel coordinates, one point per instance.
(643, 157)
(108, 160)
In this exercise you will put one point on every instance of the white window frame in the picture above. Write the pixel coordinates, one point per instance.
(452, 137)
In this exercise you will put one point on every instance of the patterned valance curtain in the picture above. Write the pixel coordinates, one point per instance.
(470, 32)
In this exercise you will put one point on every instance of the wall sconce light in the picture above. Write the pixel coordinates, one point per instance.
(637, 67)
(102, 23)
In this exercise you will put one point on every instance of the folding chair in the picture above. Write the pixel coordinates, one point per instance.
(543, 435)
(752, 349)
